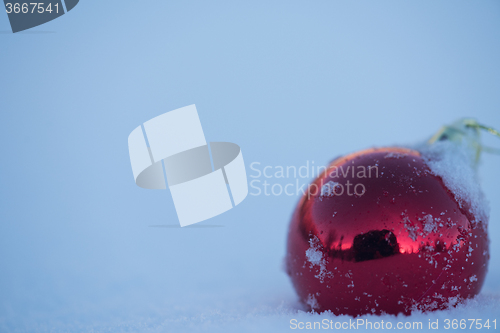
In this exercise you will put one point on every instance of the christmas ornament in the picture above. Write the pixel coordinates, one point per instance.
(393, 230)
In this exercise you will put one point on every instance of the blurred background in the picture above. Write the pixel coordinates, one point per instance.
(288, 81)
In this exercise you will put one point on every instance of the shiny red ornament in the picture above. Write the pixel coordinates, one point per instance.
(401, 241)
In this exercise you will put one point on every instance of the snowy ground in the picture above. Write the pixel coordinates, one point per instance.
(270, 317)
(83, 249)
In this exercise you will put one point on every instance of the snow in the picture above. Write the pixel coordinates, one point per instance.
(411, 228)
(429, 224)
(289, 82)
(455, 163)
(314, 254)
(315, 257)
(395, 155)
(312, 302)
(328, 189)
(273, 315)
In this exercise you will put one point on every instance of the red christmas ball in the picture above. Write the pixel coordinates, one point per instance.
(379, 231)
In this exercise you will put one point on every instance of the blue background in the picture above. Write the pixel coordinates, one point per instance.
(288, 81)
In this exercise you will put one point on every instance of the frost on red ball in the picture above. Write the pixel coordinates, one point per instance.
(413, 237)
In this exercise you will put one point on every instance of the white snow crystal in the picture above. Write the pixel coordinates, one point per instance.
(328, 189)
(395, 155)
(455, 164)
(429, 224)
(312, 302)
(412, 229)
(315, 256)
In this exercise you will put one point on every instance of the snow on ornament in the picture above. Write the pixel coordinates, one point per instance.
(413, 238)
